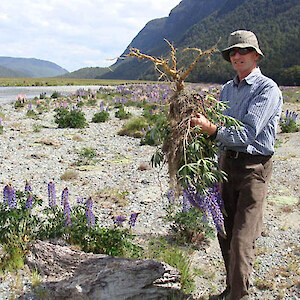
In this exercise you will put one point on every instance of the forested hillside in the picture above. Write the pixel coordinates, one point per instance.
(275, 22)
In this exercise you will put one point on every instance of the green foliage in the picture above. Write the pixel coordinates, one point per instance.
(19, 103)
(91, 102)
(31, 114)
(158, 131)
(20, 226)
(1, 129)
(288, 123)
(86, 156)
(134, 127)
(172, 255)
(189, 228)
(70, 118)
(100, 117)
(122, 114)
(55, 94)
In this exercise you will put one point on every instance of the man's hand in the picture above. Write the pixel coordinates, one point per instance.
(204, 124)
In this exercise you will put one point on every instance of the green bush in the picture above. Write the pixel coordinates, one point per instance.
(31, 114)
(134, 127)
(23, 221)
(86, 157)
(288, 123)
(189, 228)
(91, 102)
(159, 130)
(122, 114)
(100, 117)
(172, 255)
(70, 118)
(55, 94)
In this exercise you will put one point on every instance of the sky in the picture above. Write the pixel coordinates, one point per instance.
(75, 33)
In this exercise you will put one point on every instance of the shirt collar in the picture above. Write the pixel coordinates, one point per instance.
(250, 78)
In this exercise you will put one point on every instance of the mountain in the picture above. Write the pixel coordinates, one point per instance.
(88, 73)
(5, 72)
(28, 67)
(201, 23)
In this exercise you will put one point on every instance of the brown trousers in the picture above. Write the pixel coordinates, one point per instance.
(244, 196)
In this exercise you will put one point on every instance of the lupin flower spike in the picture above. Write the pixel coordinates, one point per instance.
(51, 194)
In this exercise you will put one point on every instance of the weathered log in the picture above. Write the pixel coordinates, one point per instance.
(73, 274)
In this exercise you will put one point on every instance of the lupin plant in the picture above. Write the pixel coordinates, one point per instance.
(288, 123)
(27, 186)
(1, 126)
(67, 212)
(51, 194)
(132, 219)
(89, 212)
(9, 196)
(119, 221)
(189, 153)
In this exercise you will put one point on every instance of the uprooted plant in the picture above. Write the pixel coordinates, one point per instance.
(189, 153)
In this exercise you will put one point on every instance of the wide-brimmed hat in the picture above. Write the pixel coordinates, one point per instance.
(241, 39)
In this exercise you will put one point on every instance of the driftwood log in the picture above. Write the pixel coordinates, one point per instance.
(72, 274)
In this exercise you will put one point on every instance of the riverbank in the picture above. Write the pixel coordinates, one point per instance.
(35, 149)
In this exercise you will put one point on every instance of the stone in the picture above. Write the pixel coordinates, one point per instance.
(72, 274)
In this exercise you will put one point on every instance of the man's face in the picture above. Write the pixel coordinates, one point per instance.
(243, 63)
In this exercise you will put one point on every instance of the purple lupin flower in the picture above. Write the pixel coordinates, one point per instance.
(9, 196)
(64, 195)
(119, 221)
(67, 212)
(186, 205)
(171, 196)
(89, 212)
(27, 186)
(209, 203)
(132, 219)
(51, 194)
(29, 200)
(80, 200)
(101, 106)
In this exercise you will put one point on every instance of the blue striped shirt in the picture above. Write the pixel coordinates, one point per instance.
(256, 101)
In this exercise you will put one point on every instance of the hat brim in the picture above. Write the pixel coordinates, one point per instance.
(225, 52)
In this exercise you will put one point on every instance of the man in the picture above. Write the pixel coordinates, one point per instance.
(245, 156)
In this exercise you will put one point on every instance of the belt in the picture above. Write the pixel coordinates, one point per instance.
(243, 155)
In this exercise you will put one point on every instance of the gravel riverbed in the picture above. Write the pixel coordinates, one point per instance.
(123, 165)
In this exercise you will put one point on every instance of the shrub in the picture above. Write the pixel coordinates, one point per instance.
(189, 228)
(122, 114)
(70, 119)
(91, 102)
(69, 175)
(22, 221)
(55, 95)
(100, 117)
(288, 123)
(158, 132)
(162, 251)
(134, 127)
(31, 114)
(86, 157)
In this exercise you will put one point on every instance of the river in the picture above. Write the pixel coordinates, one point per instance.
(9, 94)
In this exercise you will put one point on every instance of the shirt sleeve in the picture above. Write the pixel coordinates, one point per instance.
(261, 109)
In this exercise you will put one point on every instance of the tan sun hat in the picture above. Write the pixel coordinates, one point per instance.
(241, 39)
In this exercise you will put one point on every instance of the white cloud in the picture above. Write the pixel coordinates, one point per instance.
(75, 33)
